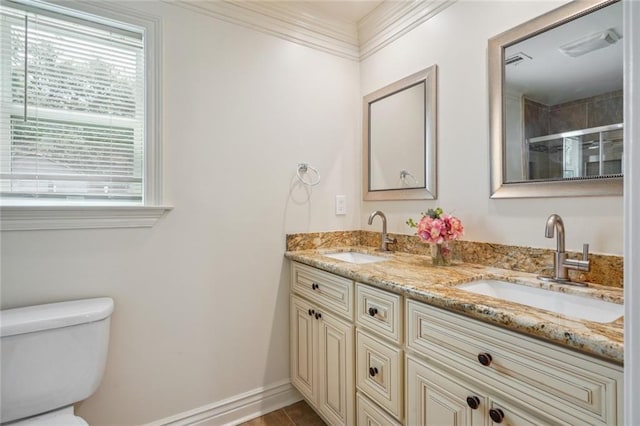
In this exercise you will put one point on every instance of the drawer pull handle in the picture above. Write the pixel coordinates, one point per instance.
(315, 286)
(496, 414)
(311, 312)
(473, 402)
(318, 315)
(373, 311)
(485, 359)
(373, 371)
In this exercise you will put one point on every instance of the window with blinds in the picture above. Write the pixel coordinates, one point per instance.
(72, 109)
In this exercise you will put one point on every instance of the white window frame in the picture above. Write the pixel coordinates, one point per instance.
(14, 217)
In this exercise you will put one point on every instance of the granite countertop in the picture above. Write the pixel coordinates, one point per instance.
(414, 277)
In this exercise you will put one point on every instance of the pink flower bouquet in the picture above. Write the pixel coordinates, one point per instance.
(438, 228)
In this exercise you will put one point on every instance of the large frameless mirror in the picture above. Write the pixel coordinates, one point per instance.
(557, 103)
(399, 139)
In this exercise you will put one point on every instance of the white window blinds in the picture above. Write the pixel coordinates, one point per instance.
(71, 109)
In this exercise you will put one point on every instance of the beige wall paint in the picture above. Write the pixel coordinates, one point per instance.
(201, 299)
(456, 40)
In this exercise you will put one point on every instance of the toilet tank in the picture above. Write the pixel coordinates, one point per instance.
(52, 355)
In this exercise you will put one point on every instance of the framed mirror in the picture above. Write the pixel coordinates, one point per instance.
(556, 103)
(399, 139)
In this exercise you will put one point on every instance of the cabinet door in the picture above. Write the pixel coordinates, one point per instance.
(379, 372)
(436, 398)
(303, 348)
(335, 357)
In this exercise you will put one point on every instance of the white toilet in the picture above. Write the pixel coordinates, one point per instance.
(53, 356)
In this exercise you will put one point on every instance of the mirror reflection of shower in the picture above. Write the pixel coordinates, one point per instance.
(578, 154)
(563, 100)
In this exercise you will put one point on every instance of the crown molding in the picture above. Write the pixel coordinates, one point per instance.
(391, 20)
(283, 21)
(299, 23)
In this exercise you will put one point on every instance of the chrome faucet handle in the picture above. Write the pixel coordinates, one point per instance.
(391, 240)
(580, 265)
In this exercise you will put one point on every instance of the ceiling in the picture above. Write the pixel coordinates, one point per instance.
(350, 11)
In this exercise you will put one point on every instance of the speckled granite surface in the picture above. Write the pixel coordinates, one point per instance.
(413, 276)
(605, 269)
(318, 240)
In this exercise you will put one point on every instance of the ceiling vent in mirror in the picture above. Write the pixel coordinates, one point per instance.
(590, 43)
(517, 59)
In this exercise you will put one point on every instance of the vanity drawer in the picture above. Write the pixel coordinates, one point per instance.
(371, 415)
(379, 373)
(569, 384)
(327, 290)
(436, 396)
(379, 311)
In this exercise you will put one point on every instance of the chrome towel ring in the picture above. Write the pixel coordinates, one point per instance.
(303, 171)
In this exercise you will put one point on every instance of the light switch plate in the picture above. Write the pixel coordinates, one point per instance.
(341, 205)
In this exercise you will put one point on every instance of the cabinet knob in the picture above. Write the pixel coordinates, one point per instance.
(318, 315)
(473, 402)
(485, 359)
(373, 311)
(497, 415)
(311, 312)
(314, 286)
(373, 371)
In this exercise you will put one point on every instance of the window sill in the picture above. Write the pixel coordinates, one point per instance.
(24, 218)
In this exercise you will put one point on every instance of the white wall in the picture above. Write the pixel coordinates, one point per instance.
(202, 298)
(456, 40)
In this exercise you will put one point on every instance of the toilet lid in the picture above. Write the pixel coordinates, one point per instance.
(61, 420)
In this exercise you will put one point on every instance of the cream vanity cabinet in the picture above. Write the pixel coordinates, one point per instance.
(405, 362)
(379, 356)
(463, 371)
(322, 342)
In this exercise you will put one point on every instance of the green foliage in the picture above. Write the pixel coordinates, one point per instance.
(86, 83)
(91, 84)
(432, 213)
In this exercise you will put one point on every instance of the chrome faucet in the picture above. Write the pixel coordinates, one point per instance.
(384, 238)
(561, 264)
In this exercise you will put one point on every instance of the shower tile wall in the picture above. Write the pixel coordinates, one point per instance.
(584, 113)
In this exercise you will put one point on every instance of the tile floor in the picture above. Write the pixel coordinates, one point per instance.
(298, 414)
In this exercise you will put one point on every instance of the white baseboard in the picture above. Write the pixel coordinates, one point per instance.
(238, 408)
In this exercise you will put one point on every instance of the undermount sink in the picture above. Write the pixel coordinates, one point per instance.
(356, 257)
(570, 305)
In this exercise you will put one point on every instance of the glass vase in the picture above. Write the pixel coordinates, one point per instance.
(440, 254)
